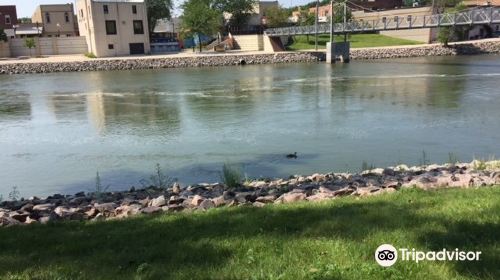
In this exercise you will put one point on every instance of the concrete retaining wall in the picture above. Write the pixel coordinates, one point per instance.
(49, 46)
(4, 49)
(250, 42)
(423, 35)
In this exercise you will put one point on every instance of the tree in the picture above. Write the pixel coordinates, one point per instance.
(30, 43)
(158, 9)
(240, 10)
(276, 17)
(338, 12)
(200, 17)
(306, 19)
(3, 36)
(451, 33)
(24, 20)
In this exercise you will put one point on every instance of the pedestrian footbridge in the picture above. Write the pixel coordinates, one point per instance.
(471, 17)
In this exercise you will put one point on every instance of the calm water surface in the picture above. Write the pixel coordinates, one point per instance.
(57, 130)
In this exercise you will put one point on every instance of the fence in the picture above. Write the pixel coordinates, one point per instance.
(4, 49)
(48, 46)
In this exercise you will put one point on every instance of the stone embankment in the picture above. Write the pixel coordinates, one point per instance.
(479, 47)
(158, 63)
(317, 187)
(473, 48)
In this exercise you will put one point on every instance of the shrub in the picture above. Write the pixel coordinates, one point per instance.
(231, 176)
(3, 36)
(158, 179)
(14, 195)
(90, 55)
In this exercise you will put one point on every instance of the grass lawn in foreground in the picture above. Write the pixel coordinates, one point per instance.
(357, 41)
(329, 240)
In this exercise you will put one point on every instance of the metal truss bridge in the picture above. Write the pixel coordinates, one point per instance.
(477, 16)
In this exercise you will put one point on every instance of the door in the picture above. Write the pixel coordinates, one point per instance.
(137, 48)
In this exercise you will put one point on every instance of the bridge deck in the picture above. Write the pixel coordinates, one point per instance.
(471, 17)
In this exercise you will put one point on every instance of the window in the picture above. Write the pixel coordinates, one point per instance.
(111, 47)
(138, 27)
(105, 9)
(134, 9)
(66, 17)
(111, 27)
(47, 17)
(408, 18)
(7, 19)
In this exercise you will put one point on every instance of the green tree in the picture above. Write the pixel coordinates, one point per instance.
(239, 9)
(338, 12)
(451, 33)
(306, 19)
(277, 17)
(158, 9)
(30, 43)
(3, 36)
(24, 20)
(200, 17)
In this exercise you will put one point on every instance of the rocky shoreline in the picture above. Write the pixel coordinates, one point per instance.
(160, 63)
(201, 197)
(474, 48)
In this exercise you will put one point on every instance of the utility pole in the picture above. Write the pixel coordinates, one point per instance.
(316, 26)
(332, 31)
(345, 21)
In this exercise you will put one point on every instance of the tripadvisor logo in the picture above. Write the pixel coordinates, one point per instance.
(386, 255)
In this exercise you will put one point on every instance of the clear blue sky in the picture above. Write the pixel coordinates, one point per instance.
(25, 8)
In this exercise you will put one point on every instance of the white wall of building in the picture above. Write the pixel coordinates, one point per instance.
(92, 24)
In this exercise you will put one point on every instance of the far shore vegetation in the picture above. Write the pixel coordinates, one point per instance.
(331, 240)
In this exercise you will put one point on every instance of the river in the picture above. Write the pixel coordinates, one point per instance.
(57, 130)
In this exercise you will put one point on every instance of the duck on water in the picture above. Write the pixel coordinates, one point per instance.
(294, 155)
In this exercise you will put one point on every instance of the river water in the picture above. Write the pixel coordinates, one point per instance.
(58, 130)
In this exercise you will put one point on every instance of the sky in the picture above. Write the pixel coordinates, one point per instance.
(25, 8)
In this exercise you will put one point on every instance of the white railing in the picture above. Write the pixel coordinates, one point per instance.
(477, 16)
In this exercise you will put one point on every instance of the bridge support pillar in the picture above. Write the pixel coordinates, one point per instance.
(338, 51)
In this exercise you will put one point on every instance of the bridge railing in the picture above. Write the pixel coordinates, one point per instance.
(470, 17)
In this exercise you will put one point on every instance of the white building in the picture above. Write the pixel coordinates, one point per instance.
(114, 27)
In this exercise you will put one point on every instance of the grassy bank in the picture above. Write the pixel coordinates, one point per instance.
(331, 240)
(357, 41)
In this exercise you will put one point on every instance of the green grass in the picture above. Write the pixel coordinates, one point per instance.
(330, 240)
(357, 41)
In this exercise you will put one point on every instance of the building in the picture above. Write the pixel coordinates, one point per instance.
(114, 27)
(424, 35)
(256, 20)
(56, 20)
(374, 5)
(8, 17)
(24, 30)
(486, 30)
(258, 16)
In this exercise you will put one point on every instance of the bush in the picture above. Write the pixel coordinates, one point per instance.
(3, 36)
(90, 55)
(231, 176)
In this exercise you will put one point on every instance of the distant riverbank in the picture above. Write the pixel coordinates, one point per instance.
(62, 64)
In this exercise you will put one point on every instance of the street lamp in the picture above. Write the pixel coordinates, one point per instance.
(58, 30)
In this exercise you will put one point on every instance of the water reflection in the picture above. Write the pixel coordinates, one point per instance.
(57, 130)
